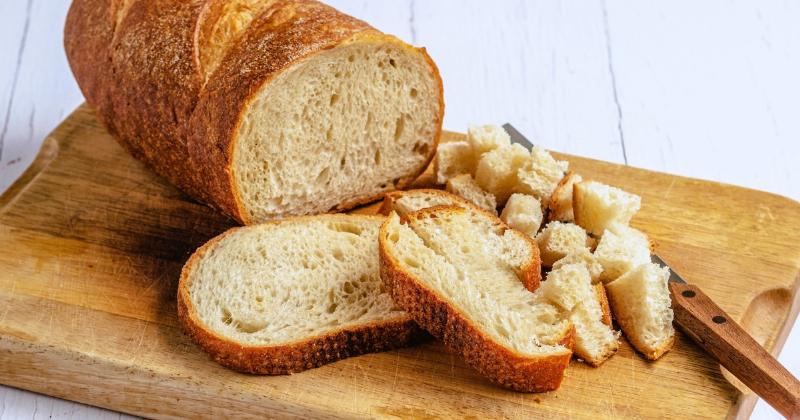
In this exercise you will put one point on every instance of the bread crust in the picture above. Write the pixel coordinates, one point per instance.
(387, 206)
(295, 356)
(602, 298)
(145, 80)
(431, 311)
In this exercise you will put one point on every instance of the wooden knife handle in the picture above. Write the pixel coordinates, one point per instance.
(734, 348)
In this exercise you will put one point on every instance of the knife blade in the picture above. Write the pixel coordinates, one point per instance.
(721, 337)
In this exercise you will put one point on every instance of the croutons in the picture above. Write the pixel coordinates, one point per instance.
(621, 249)
(523, 213)
(465, 187)
(453, 159)
(540, 175)
(557, 240)
(561, 200)
(641, 302)
(597, 206)
(485, 138)
(497, 170)
(584, 257)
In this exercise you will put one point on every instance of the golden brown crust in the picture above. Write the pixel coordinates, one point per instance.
(146, 81)
(291, 357)
(388, 204)
(554, 205)
(432, 312)
(602, 298)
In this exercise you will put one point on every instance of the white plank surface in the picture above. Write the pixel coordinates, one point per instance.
(702, 89)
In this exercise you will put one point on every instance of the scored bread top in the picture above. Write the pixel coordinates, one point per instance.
(291, 285)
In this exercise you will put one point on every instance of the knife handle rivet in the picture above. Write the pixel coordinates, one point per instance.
(719, 319)
(689, 293)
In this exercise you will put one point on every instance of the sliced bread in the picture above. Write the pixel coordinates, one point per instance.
(570, 288)
(286, 296)
(460, 275)
(641, 304)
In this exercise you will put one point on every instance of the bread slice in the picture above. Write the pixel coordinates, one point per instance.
(466, 187)
(288, 296)
(621, 249)
(570, 288)
(485, 138)
(586, 258)
(560, 204)
(460, 275)
(597, 206)
(524, 213)
(557, 240)
(641, 304)
(497, 170)
(453, 159)
(405, 202)
(540, 174)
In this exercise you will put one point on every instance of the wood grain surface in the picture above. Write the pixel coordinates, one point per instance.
(87, 302)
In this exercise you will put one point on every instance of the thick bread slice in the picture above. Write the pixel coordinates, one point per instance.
(287, 296)
(570, 288)
(260, 108)
(460, 275)
(641, 305)
(405, 202)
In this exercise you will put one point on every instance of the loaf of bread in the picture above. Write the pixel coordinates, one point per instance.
(260, 108)
(286, 296)
(465, 278)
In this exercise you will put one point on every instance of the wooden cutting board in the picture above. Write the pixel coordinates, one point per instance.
(92, 244)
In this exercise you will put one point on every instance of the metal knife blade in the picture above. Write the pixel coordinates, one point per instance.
(673, 276)
(516, 136)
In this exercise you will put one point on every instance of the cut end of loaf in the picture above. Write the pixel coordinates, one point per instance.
(338, 129)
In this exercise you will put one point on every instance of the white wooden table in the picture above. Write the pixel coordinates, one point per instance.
(703, 89)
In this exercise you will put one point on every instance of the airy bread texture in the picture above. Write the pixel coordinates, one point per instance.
(409, 201)
(485, 138)
(497, 170)
(453, 159)
(524, 213)
(561, 200)
(460, 274)
(597, 206)
(570, 288)
(466, 187)
(641, 305)
(287, 296)
(540, 175)
(586, 258)
(621, 249)
(261, 108)
(557, 240)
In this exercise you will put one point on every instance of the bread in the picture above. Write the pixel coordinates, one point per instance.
(260, 108)
(497, 170)
(557, 240)
(582, 256)
(570, 288)
(453, 159)
(460, 275)
(409, 201)
(287, 296)
(466, 187)
(523, 213)
(540, 175)
(485, 138)
(597, 206)
(560, 204)
(640, 302)
(621, 249)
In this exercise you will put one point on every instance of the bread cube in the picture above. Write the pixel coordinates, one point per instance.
(561, 200)
(523, 213)
(584, 257)
(465, 187)
(557, 240)
(453, 159)
(640, 302)
(497, 170)
(540, 175)
(485, 138)
(597, 206)
(621, 249)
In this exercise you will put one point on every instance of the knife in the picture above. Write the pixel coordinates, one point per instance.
(716, 332)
